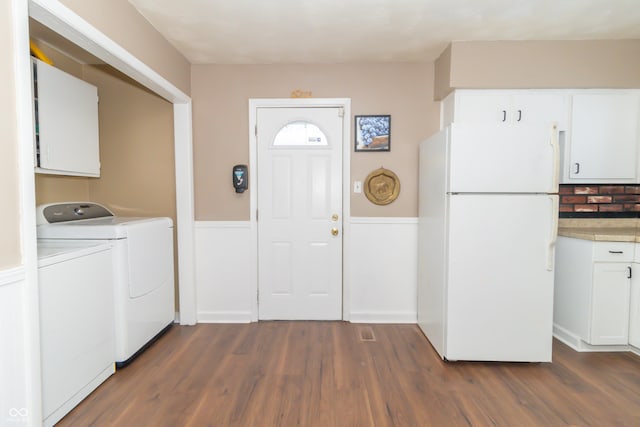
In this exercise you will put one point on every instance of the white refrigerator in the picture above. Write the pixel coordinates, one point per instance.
(488, 211)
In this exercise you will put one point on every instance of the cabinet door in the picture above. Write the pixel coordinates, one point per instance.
(68, 123)
(634, 312)
(530, 107)
(604, 135)
(483, 107)
(610, 303)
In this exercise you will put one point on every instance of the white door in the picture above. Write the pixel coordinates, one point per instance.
(300, 213)
(503, 159)
(610, 303)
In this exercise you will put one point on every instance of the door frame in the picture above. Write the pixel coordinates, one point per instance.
(344, 103)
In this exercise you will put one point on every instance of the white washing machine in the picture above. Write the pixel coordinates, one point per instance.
(142, 266)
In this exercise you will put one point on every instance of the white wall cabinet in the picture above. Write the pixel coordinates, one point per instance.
(66, 117)
(603, 145)
(506, 106)
(592, 291)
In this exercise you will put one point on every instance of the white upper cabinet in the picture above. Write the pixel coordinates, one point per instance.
(506, 106)
(603, 138)
(66, 115)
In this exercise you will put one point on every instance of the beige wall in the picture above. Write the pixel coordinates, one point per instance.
(122, 23)
(137, 174)
(10, 254)
(442, 78)
(221, 96)
(541, 64)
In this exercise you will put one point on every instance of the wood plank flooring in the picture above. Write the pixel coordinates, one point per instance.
(341, 374)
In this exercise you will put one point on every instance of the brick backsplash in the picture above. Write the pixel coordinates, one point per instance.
(599, 200)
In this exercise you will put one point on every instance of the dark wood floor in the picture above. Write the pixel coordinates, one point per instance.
(341, 374)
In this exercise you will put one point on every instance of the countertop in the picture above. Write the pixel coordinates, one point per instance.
(605, 230)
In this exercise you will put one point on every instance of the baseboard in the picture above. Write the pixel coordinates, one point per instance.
(566, 337)
(224, 317)
(576, 343)
(384, 317)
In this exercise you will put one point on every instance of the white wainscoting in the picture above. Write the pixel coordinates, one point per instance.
(226, 275)
(381, 273)
(383, 270)
(13, 367)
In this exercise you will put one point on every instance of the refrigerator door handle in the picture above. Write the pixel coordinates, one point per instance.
(551, 250)
(555, 145)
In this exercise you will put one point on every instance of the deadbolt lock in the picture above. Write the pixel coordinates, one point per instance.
(334, 217)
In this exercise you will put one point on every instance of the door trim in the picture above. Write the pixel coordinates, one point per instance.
(345, 103)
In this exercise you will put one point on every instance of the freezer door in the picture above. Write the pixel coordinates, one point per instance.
(503, 159)
(500, 271)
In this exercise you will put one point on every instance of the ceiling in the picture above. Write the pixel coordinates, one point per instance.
(337, 31)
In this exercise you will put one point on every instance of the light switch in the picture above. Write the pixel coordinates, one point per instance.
(357, 186)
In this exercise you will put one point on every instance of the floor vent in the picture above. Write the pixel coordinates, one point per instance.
(366, 334)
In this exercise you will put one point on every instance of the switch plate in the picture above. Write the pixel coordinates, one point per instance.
(357, 186)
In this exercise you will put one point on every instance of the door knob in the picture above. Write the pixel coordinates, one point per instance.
(334, 217)
(334, 231)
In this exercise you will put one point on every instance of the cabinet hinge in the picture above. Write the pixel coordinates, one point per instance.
(255, 130)
(341, 112)
(256, 214)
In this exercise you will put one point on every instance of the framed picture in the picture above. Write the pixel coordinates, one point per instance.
(373, 133)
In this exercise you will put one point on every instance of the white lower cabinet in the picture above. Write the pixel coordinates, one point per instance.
(610, 303)
(592, 291)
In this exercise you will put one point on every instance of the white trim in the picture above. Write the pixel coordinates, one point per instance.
(12, 275)
(225, 317)
(65, 22)
(252, 255)
(185, 212)
(383, 220)
(68, 24)
(222, 224)
(384, 317)
(25, 126)
(576, 343)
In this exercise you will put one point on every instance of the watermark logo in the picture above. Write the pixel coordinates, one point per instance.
(18, 415)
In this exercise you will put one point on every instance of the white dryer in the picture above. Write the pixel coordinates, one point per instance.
(142, 266)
